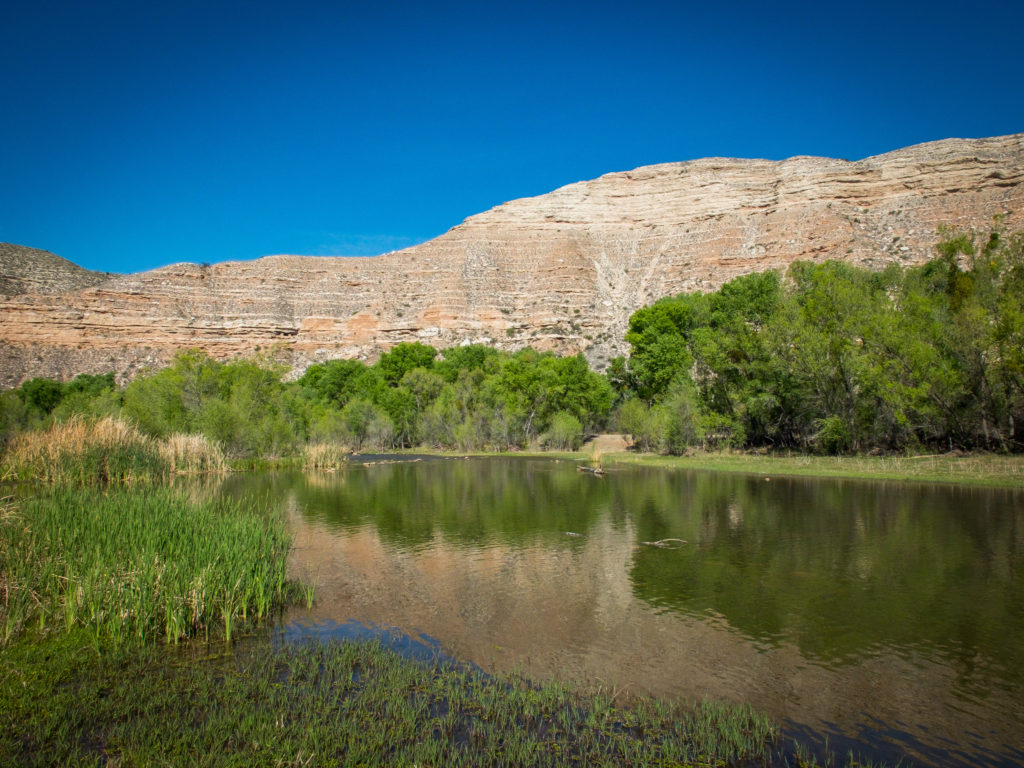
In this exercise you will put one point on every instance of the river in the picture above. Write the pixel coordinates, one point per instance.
(882, 617)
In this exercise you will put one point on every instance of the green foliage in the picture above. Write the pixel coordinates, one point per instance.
(367, 424)
(838, 358)
(393, 365)
(472, 398)
(42, 395)
(14, 416)
(472, 357)
(338, 381)
(646, 425)
(565, 432)
(244, 405)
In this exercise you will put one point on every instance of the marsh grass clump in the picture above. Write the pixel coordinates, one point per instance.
(191, 454)
(84, 452)
(138, 566)
(104, 451)
(324, 456)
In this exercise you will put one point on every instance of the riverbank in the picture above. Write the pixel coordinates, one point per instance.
(979, 469)
(985, 470)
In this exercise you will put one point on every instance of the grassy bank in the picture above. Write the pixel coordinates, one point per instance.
(338, 704)
(991, 470)
(973, 469)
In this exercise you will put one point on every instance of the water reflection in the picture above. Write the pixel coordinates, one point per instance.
(880, 613)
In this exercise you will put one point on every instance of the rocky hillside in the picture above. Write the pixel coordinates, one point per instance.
(30, 270)
(560, 271)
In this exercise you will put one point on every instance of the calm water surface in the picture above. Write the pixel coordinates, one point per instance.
(888, 617)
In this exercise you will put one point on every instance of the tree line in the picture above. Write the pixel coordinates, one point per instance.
(466, 398)
(833, 358)
(826, 358)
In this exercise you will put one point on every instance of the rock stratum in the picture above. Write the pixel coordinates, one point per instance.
(561, 271)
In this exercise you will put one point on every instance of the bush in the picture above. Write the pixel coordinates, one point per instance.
(832, 436)
(565, 432)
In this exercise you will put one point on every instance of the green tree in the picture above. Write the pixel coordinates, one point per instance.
(402, 358)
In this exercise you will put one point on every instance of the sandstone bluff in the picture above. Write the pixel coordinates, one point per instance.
(560, 271)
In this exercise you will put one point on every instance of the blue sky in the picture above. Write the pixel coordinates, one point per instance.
(137, 134)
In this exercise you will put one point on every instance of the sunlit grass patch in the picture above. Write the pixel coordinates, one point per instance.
(969, 469)
(138, 565)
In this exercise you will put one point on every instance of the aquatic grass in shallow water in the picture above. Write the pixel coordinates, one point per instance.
(339, 704)
(138, 565)
(324, 456)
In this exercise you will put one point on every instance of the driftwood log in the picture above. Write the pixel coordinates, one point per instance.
(665, 543)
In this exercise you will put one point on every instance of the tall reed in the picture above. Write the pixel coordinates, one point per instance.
(324, 456)
(192, 454)
(84, 452)
(109, 450)
(138, 565)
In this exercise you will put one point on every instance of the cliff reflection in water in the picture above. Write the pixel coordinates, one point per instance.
(873, 611)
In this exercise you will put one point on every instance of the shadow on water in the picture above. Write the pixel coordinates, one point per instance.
(420, 647)
(883, 616)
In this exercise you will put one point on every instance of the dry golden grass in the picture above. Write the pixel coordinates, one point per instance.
(192, 454)
(73, 450)
(325, 456)
(86, 452)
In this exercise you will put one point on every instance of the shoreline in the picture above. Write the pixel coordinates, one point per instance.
(976, 470)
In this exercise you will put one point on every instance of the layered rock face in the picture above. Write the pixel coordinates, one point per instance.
(561, 271)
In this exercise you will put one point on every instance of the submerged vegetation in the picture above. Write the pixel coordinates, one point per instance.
(346, 704)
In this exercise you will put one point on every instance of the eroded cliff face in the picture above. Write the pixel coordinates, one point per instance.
(561, 271)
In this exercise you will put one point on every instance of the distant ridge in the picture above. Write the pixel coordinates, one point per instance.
(561, 271)
(30, 270)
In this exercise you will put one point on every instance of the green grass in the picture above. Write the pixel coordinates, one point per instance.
(991, 470)
(338, 704)
(972, 469)
(126, 563)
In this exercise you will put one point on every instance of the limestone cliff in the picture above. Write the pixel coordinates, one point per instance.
(560, 271)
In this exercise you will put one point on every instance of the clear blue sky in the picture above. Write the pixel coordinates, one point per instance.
(137, 134)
